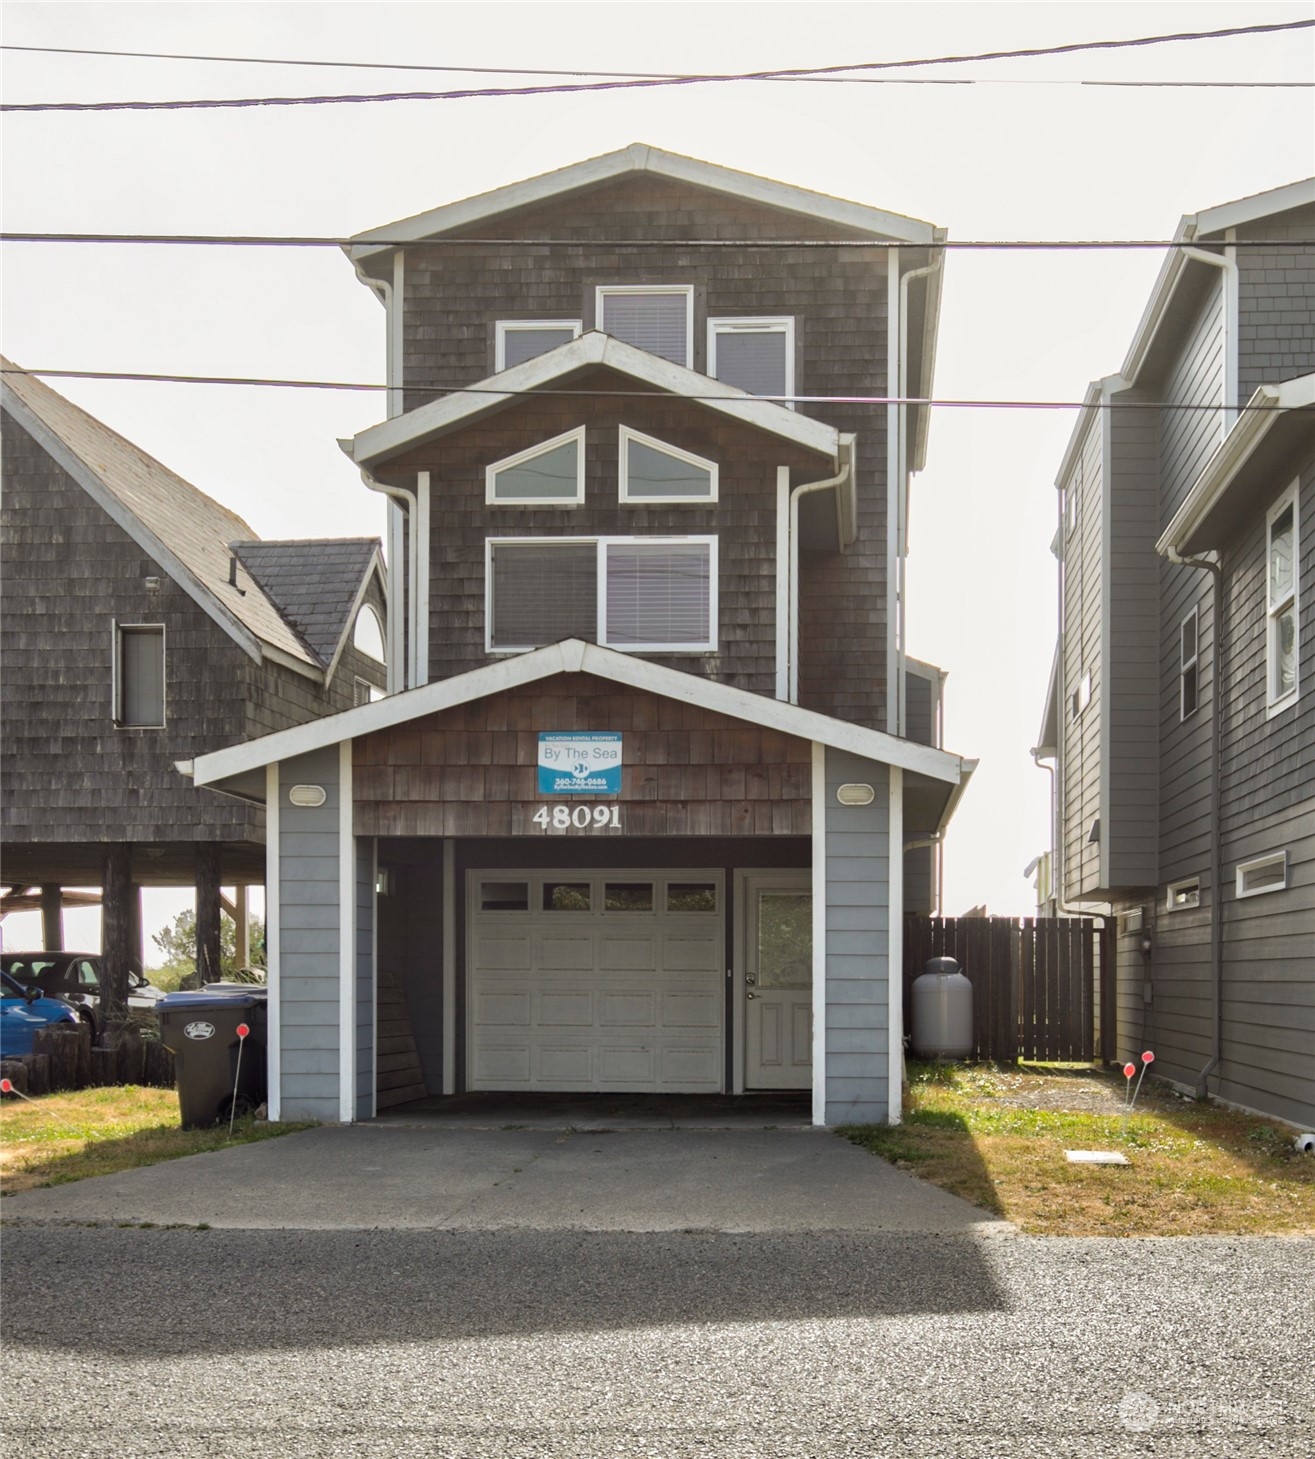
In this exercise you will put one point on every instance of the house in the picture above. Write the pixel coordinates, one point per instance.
(1181, 712)
(635, 817)
(145, 623)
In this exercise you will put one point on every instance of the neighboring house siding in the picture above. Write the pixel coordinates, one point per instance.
(309, 950)
(1276, 302)
(857, 850)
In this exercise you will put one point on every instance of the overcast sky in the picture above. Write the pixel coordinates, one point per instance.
(1024, 152)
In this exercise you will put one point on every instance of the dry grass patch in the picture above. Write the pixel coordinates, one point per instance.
(63, 1137)
(996, 1136)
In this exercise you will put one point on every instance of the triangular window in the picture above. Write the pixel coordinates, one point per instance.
(654, 472)
(551, 474)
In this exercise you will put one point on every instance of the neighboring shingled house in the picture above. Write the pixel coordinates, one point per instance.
(145, 624)
(1181, 711)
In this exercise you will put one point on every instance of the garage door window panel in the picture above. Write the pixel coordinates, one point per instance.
(628, 897)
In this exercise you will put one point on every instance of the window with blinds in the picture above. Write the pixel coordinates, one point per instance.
(139, 675)
(518, 340)
(656, 593)
(552, 472)
(657, 318)
(654, 471)
(754, 355)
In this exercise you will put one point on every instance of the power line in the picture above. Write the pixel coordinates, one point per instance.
(693, 79)
(143, 377)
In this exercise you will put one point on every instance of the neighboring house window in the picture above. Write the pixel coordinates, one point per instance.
(653, 471)
(635, 593)
(139, 675)
(363, 692)
(1188, 681)
(1070, 507)
(1282, 603)
(1081, 696)
(1264, 874)
(658, 318)
(550, 474)
(518, 340)
(368, 634)
(1183, 894)
(756, 355)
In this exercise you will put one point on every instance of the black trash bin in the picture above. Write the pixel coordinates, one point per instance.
(200, 1029)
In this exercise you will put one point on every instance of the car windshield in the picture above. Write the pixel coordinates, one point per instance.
(12, 987)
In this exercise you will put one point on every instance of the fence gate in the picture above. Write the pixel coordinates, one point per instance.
(1034, 983)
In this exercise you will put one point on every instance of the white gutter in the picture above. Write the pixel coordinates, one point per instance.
(832, 482)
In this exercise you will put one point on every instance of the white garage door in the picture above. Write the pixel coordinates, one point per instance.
(596, 981)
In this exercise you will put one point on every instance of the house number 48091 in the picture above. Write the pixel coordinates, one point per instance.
(579, 817)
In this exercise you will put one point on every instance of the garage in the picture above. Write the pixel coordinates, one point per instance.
(596, 980)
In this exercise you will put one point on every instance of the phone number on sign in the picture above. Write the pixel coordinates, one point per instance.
(578, 817)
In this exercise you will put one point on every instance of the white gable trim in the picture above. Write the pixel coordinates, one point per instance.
(575, 657)
(638, 157)
(373, 446)
(376, 568)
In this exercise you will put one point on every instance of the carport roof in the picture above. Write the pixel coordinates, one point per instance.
(239, 769)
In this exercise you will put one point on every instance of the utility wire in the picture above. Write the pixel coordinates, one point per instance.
(790, 74)
(501, 393)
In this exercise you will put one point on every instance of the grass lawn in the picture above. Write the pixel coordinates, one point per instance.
(996, 1135)
(63, 1137)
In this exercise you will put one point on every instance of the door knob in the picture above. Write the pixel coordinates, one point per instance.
(751, 995)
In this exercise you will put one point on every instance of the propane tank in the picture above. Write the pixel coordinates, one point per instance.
(942, 1011)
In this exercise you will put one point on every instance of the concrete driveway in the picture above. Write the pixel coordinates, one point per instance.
(451, 1177)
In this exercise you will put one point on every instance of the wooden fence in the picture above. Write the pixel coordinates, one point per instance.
(65, 1059)
(1034, 983)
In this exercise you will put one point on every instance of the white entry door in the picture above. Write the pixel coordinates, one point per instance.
(778, 985)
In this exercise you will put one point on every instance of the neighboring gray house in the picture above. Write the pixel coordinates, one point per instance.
(636, 819)
(145, 623)
(1181, 714)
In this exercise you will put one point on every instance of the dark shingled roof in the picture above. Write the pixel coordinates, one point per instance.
(314, 583)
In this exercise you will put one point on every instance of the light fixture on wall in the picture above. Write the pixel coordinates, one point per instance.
(856, 795)
(308, 796)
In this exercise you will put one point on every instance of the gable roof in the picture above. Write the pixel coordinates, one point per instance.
(185, 531)
(364, 249)
(317, 585)
(239, 769)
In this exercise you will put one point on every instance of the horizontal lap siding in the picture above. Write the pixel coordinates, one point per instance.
(309, 892)
(858, 945)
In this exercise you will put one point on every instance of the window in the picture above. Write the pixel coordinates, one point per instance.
(504, 896)
(567, 896)
(1264, 874)
(368, 634)
(1282, 604)
(691, 897)
(1183, 894)
(1188, 683)
(658, 318)
(1070, 507)
(363, 692)
(628, 896)
(756, 355)
(1131, 922)
(548, 474)
(518, 340)
(652, 471)
(139, 675)
(1081, 696)
(636, 593)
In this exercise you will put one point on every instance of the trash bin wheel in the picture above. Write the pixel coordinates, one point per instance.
(235, 1109)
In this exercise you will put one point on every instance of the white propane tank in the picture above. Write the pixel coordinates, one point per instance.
(942, 1011)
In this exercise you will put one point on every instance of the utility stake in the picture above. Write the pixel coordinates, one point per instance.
(242, 1031)
(7, 1087)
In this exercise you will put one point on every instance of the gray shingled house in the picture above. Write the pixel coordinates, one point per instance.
(144, 624)
(636, 818)
(1181, 713)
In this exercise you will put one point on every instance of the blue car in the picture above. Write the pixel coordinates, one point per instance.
(23, 1011)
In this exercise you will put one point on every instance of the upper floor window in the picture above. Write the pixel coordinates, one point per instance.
(658, 318)
(368, 634)
(548, 474)
(755, 355)
(1282, 580)
(139, 675)
(636, 593)
(1188, 655)
(654, 472)
(1081, 696)
(518, 340)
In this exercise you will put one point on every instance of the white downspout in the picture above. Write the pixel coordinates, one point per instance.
(1227, 262)
(837, 482)
(402, 504)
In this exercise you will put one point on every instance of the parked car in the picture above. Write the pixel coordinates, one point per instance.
(75, 977)
(23, 1011)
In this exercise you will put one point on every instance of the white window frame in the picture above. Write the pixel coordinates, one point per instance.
(625, 435)
(504, 327)
(777, 324)
(600, 609)
(491, 474)
(378, 658)
(1189, 889)
(1070, 508)
(116, 673)
(1132, 921)
(602, 291)
(1262, 863)
(1277, 705)
(1184, 664)
(1081, 696)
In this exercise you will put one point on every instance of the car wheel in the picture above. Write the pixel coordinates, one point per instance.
(85, 1020)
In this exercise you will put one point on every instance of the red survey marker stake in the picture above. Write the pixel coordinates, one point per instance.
(242, 1031)
(7, 1087)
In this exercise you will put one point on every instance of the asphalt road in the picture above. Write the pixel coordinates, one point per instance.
(575, 1344)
